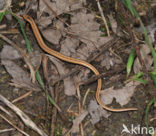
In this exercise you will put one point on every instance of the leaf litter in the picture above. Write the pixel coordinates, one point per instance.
(85, 30)
(20, 78)
(122, 95)
(84, 40)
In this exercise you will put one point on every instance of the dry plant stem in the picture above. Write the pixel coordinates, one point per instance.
(38, 66)
(10, 31)
(3, 26)
(79, 97)
(105, 74)
(22, 97)
(91, 58)
(4, 110)
(25, 56)
(45, 67)
(54, 110)
(103, 17)
(27, 121)
(79, 107)
(81, 130)
(55, 13)
(137, 49)
(7, 130)
(21, 131)
(85, 96)
(74, 61)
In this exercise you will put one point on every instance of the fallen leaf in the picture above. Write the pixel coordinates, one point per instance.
(122, 95)
(113, 23)
(69, 85)
(59, 6)
(44, 22)
(96, 112)
(78, 120)
(68, 46)
(144, 51)
(10, 53)
(85, 26)
(20, 77)
(52, 35)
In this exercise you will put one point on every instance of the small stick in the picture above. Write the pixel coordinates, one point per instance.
(21, 131)
(103, 17)
(28, 122)
(6, 130)
(94, 78)
(4, 110)
(3, 26)
(54, 110)
(85, 96)
(22, 97)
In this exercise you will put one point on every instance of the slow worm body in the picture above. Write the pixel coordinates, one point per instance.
(74, 61)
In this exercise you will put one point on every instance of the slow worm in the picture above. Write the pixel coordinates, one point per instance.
(74, 61)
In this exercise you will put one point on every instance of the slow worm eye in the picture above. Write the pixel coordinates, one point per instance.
(28, 18)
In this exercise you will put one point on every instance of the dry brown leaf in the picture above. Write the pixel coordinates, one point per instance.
(77, 121)
(113, 23)
(52, 35)
(35, 58)
(96, 111)
(151, 30)
(44, 22)
(69, 85)
(68, 46)
(9, 53)
(20, 77)
(59, 6)
(85, 26)
(108, 60)
(144, 51)
(122, 95)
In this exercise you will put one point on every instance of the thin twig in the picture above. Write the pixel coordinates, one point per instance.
(4, 110)
(45, 67)
(85, 96)
(103, 17)
(3, 26)
(6, 130)
(54, 110)
(22, 97)
(28, 122)
(21, 131)
(94, 78)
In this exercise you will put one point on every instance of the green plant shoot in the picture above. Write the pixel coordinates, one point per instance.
(147, 112)
(130, 62)
(2, 15)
